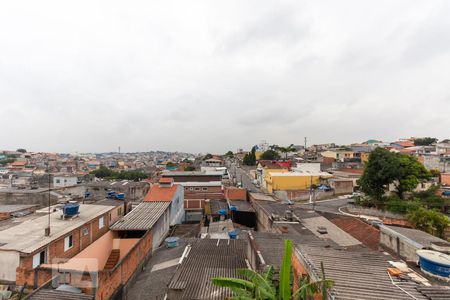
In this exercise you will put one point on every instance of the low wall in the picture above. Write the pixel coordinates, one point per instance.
(387, 217)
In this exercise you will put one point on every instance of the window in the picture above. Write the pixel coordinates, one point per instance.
(197, 189)
(101, 222)
(204, 189)
(85, 231)
(191, 188)
(119, 211)
(39, 258)
(68, 242)
(57, 181)
(110, 217)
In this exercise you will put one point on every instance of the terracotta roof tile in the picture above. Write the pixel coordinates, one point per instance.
(158, 193)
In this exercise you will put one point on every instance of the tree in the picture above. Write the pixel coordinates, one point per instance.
(102, 172)
(426, 141)
(381, 169)
(411, 172)
(189, 168)
(429, 220)
(21, 150)
(250, 158)
(260, 286)
(270, 155)
(229, 154)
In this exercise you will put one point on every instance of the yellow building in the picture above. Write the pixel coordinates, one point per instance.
(364, 157)
(258, 154)
(337, 154)
(293, 180)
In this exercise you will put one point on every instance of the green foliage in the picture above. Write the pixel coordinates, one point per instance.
(207, 156)
(104, 172)
(285, 272)
(426, 141)
(6, 161)
(381, 169)
(307, 289)
(270, 155)
(397, 205)
(385, 167)
(250, 158)
(260, 286)
(411, 172)
(429, 220)
(189, 168)
(229, 154)
(21, 150)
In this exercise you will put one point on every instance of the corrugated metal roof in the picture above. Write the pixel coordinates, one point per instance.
(360, 274)
(142, 217)
(47, 294)
(208, 258)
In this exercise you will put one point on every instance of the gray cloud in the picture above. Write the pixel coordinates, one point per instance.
(212, 76)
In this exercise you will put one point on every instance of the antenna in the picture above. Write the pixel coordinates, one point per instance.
(119, 149)
(305, 141)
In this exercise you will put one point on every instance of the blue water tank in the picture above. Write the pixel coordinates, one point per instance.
(172, 242)
(233, 208)
(222, 212)
(120, 196)
(232, 234)
(87, 194)
(71, 209)
(111, 194)
(434, 262)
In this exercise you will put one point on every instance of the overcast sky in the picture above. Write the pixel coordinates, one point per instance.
(208, 76)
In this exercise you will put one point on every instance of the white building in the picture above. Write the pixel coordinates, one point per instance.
(63, 181)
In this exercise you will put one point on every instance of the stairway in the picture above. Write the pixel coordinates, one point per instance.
(113, 259)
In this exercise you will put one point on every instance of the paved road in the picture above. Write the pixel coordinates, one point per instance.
(243, 177)
(331, 206)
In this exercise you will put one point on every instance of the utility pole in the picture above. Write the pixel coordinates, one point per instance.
(305, 142)
(47, 230)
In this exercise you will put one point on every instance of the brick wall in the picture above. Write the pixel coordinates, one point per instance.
(55, 250)
(109, 282)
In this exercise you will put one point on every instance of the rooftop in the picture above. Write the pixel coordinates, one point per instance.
(418, 236)
(357, 274)
(29, 236)
(8, 208)
(142, 217)
(207, 258)
(190, 173)
(161, 193)
(299, 174)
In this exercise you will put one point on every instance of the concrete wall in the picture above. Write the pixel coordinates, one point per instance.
(177, 207)
(9, 261)
(402, 247)
(160, 229)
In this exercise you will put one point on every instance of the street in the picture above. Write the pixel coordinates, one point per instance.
(330, 206)
(242, 176)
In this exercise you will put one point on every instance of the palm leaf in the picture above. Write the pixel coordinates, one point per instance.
(285, 272)
(268, 275)
(262, 286)
(234, 283)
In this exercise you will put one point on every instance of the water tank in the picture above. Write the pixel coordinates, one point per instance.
(222, 212)
(232, 234)
(172, 242)
(71, 209)
(111, 194)
(435, 263)
(120, 196)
